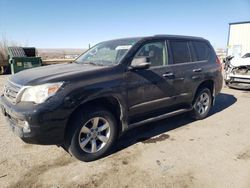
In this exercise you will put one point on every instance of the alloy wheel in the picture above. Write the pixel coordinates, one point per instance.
(202, 103)
(94, 135)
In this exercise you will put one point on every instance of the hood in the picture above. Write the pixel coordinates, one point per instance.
(51, 73)
(236, 62)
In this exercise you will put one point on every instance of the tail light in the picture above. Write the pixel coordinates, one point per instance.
(218, 62)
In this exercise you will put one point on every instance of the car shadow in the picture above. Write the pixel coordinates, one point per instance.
(146, 132)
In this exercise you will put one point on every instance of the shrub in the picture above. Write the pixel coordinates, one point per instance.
(3, 50)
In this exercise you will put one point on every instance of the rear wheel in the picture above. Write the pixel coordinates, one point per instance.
(202, 104)
(94, 134)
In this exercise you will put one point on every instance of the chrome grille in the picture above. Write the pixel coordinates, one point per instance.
(11, 91)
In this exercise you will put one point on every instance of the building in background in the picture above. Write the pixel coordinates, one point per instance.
(238, 42)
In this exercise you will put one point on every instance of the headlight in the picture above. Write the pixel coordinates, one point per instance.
(39, 94)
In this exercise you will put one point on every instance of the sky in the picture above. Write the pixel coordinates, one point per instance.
(77, 23)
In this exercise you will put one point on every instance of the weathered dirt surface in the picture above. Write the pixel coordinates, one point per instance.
(175, 152)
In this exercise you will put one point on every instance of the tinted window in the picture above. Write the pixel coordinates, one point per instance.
(180, 51)
(155, 51)
(202, 51)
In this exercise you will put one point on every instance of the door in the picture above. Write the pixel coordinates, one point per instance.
(183, 69)
(205, 61)
(150, 89)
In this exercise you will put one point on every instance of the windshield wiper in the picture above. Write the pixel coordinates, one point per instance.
(87, 62)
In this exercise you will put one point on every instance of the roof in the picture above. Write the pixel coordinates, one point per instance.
(244, 22)
(160, 36)
(178, 36)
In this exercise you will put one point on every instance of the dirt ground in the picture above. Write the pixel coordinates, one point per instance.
(175, 152)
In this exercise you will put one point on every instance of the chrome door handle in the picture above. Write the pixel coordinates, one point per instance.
(169, 74)
(197, 70)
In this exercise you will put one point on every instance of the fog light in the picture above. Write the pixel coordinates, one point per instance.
(26, 127)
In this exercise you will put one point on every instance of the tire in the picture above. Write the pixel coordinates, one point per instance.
(5, 70)
(202, 104)
(2, 70)
(96, 130)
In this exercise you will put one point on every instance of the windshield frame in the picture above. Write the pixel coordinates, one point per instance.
(136, 40)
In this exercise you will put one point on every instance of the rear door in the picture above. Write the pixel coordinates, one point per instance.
(204, 59)
(183, 69)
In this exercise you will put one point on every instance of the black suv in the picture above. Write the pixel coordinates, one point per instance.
(85, 105)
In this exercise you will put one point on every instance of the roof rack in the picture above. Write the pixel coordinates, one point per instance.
(177, 36)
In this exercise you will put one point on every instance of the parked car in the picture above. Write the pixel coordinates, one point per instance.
(116, 85)
(237, 71)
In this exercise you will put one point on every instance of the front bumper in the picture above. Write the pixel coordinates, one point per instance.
(36, 124)
(243, 86)
(238, 81)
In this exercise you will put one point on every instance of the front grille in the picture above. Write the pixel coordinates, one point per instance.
(11, 91)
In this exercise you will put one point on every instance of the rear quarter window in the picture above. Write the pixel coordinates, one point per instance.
(202, 50)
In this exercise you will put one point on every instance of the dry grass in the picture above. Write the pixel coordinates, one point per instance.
(4, 44)
(3, 50)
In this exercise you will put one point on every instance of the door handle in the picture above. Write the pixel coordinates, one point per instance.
(168, 75)
(197, 70)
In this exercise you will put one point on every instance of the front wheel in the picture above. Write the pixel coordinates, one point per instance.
(202, 104)
(94, 134)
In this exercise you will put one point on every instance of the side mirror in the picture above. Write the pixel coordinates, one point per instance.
(140, 63)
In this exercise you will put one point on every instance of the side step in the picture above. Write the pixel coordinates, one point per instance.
(160, 117)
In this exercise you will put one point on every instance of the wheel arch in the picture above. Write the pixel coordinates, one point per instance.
(206, 84)
(111, 103)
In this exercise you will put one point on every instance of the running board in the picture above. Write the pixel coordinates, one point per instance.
(160, 117)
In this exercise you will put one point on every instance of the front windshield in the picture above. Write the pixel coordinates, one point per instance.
(246, 55)
(107, 53)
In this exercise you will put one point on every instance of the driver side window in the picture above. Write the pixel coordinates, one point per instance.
(155, 52)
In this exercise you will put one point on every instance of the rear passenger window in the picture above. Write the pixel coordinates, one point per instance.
(180, 51)
(202, 51)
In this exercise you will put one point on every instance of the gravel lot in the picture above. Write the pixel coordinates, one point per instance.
(175, 152)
